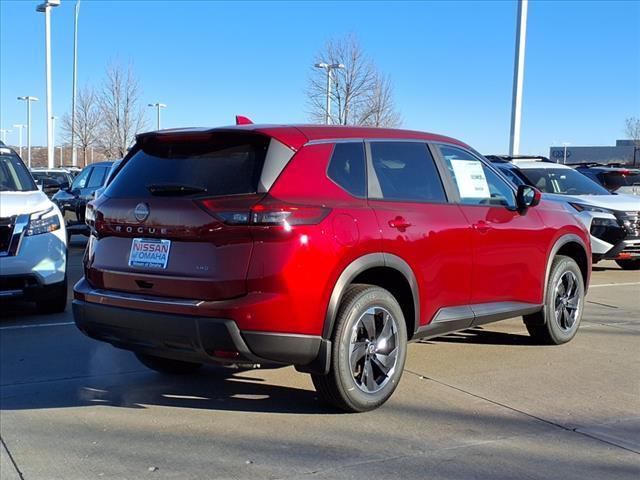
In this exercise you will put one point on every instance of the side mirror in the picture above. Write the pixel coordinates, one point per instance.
(527, 197)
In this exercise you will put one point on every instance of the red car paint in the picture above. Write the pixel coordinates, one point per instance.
(280, 278)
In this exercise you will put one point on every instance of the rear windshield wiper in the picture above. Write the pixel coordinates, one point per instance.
(173, 189)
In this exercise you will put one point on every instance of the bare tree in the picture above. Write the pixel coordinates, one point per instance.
(121, 110)
(380, 110)
(359, 94)
(87, 127)
(632, 130)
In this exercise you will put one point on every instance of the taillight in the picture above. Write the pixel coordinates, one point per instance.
(267, 212)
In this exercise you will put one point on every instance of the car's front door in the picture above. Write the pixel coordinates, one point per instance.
(509, 256)
(419, 225)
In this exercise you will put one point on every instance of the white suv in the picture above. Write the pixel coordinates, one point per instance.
(33, 240)
(613, 220)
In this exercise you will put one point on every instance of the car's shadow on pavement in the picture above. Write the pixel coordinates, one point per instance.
(213, 388)
(478, 335)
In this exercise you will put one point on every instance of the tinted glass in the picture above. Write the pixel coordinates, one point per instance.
(14, 176)
(512, 176)
(615, 180)
(59, 177)
(347, 167)
(477, 184)
(406, 171)
(97, 177)
(219, 164)
(81, 180)
(565, 181)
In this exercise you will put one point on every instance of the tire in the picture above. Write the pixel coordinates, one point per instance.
(55, 301)
(629, 264)
(167, 365)
(559, 320)
(369, 338)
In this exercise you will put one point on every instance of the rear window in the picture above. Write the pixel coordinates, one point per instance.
(615, 180)
(219, 164)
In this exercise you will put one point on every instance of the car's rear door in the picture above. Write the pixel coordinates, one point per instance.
(509, 247)
(419, 225)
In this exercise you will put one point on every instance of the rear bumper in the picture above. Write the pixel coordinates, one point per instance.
(190, 338)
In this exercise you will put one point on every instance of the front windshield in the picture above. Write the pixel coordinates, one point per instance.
(14, 176)
(564, 181)
(59, 177)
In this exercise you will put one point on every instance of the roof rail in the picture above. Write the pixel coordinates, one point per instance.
(511, 158)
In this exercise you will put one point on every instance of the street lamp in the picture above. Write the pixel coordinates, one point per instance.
(518, 78)
(46, 8)
(4, 132)
(329, 68)
(20, 126)
(74, 158)
(158, 106)
(29, 99)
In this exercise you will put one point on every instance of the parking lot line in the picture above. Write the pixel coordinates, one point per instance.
(36, 325)
(614, 284)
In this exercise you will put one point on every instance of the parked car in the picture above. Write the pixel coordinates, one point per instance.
(614, 177)
(112, 172)
(33, 242)
(51, 180)
(613, 220)
(73, 200)
(327, 248)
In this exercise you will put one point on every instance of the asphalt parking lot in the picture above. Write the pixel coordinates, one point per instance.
(479, 404)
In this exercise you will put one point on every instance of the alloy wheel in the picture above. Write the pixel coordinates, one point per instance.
(373, 352)
(567, 301)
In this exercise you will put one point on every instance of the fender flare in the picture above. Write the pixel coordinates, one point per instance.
(356, 267)
(560, 242)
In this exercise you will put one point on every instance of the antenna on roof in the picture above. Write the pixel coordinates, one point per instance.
(240, 120)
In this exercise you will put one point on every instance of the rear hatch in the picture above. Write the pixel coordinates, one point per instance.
(162, 226)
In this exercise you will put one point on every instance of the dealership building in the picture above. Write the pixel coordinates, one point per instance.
(622, 152)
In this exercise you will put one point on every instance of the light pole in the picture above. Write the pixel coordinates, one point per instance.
(53, 129)
(518, 78)
(20, 126)
(329, 68)
(29, 99)
(74, 158)
(46, 8)
(158, 106)
(4, 132)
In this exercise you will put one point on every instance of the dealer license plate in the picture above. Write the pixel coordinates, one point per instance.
(149, 253)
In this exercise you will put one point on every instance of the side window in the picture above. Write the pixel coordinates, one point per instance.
(97, 177)
(477, 184)
(406, 172)
(347, 167)
(81, 180)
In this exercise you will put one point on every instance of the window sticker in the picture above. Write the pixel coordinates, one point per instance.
(472, 183)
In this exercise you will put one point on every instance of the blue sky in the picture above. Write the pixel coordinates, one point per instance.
(451, 63)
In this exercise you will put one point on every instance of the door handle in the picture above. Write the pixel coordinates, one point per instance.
(400, 223)
(481, 226)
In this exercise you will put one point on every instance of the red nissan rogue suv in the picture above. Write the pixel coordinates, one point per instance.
(327, 248)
